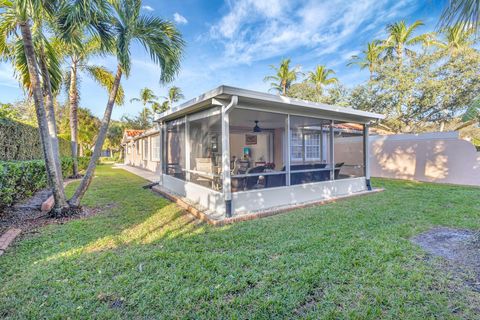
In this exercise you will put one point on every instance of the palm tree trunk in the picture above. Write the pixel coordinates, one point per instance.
(87, 179)
(43, 125)
(73, 97)
(61, 203)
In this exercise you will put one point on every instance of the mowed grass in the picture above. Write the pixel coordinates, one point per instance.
(142, 257)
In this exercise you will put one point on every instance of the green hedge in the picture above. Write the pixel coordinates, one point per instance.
(19, 141)
(21, 179)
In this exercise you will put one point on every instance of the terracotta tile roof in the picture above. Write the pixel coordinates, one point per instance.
(133, 133)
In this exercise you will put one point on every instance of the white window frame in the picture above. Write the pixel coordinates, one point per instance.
(155, 147)
(294, 144)
(310, 145)
(145, 146)
(305, 147)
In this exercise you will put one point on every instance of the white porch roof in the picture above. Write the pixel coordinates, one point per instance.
(268, 102)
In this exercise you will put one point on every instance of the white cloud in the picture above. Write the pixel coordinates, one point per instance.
(178, 18)
(148, 8)
(254, 30)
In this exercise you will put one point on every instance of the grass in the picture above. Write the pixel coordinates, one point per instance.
(141, 257)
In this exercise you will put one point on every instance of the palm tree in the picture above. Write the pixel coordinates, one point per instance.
(463, 12)
(35, 64)
(371, 57)
(320, 78)
(79, 48)
(146, 96)
(457, 39)
(284, 76)
(174, 95)
(163, 42)
(400, 36)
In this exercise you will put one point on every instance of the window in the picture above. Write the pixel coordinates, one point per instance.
(296, 143)
(312, 146)
(155, 147)
(129, 149)
(145, 149)
(305, 146)
(138, 147)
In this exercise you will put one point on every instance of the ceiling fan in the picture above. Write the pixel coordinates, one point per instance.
(257, 128)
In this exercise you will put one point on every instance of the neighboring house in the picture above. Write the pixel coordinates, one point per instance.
(232, 151)
(142, 148)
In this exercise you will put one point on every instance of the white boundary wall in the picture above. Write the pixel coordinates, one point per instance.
(440, 157)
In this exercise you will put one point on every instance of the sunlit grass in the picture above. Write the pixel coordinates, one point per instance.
(142, 257)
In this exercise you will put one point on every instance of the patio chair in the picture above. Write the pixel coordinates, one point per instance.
(204, 165)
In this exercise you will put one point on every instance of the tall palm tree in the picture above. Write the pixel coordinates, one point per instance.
(284, 76)
(463, 12)
(320, 78)
(78, 49)
(371, 57)
(400, 37)
(146, 96)
(22, 15)
(163, 42)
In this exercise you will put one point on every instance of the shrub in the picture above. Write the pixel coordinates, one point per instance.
(21, 179)
(19, 141)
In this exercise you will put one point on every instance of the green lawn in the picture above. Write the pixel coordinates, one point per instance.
(141, 257)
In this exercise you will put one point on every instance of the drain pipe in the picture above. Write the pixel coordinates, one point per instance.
(227, 181)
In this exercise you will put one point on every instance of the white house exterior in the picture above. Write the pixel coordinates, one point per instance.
(233, 152)
(142, 149)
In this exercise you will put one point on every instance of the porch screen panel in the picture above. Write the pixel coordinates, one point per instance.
(348, 150)
(257, 149)
(309, 150)
(175, 149)
(206, 150)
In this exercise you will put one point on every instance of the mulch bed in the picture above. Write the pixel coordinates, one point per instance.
(27, 215)
(460, 249)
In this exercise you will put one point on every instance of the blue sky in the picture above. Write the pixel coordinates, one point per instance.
(234, 42)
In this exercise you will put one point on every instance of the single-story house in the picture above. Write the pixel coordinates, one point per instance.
(233, 152)
(141, 149)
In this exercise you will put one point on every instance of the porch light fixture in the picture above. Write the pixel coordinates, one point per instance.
(257, 128)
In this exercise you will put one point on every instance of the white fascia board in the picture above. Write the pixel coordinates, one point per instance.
(226, 91)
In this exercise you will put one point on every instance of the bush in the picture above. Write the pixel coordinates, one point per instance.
(21, 179)
(19, 141)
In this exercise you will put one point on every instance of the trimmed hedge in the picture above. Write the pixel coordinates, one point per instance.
(21, 179)
(19, 141)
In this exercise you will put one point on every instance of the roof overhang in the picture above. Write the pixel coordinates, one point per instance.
(267, 102)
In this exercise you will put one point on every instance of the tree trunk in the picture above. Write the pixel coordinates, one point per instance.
(73, 97)
(56, 185)
(60, 203)
(87, 179)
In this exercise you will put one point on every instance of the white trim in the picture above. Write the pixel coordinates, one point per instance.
(225, 92)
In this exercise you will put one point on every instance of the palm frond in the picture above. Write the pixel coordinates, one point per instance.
(106, 79)
(464, 12)
(163, 42)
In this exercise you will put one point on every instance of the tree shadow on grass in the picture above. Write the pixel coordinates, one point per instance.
(158, 262)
